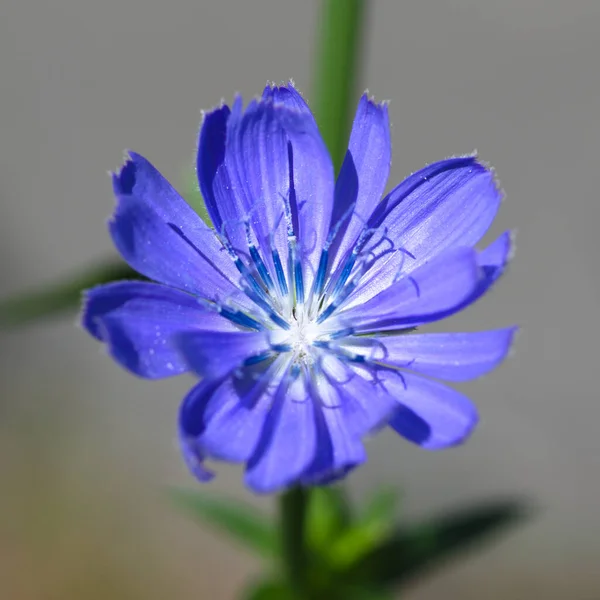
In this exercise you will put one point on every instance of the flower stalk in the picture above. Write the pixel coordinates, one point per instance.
(293, 503)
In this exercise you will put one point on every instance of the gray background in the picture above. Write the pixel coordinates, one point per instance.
(86, 450)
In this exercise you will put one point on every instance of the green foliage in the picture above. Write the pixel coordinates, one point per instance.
(345, 554)
(336, 72)
(242, 522)
(413, 549)
(60, 298)
(269, 590)
(65, 296)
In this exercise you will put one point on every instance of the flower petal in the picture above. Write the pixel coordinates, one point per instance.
(225, 416)
(161, 251)
(439, 287)
(273, 156)
(288, 96)
(363, 176)
(194, 460)
(139, 180)
(138, 321)
(289, 440)
(493, 260)
(364, 406)
(432, 415)
(339, 451)
(445, 205)
(450, 356)
(215, 354)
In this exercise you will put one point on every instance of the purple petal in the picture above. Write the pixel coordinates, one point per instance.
(139, 179)
(493, 260)
(363, 175)
(364, 406)
(288, 96)
(226, 417)
(273, 156)
(339, 450)
(446, 205)
(450, 356)
(194, 460)
(214, 354)
(288, 443)
(439, 287)
(138, 321)
(211, 155)
(432, 415)
(161, 251)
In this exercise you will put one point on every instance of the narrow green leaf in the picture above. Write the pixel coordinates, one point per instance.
(411, 550)
(337, 69)
(240, 521)
(62, 297)
(380, 511)
(268, 590)
(193, 196)
(327, 517)
(366, 533)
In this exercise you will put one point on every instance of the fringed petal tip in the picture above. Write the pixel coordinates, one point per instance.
(195, 460)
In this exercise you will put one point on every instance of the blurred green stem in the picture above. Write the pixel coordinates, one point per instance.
(336, 71)
(293, 505)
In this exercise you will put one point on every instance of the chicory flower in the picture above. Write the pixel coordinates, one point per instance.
(298, 308)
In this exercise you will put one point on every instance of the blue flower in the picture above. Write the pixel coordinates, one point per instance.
(298, 309)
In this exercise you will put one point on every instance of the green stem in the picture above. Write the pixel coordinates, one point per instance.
(336, 72)
(293, 504)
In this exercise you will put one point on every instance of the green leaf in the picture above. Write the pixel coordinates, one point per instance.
(240, 521)
(336, 68)
(62, 297)
(327, 517)
(411, 550)
(376, 524)
(269, 590)
(380, 511)
(193, 196)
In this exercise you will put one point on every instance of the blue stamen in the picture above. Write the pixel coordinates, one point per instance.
(321, 344)
(321, 272)
(253, 360)
(342, 333)
(345, 274)
(327, 312)
(283, 288)
(278, 320)
(261, 267)
(243, 269)
(281, 348)
(235, 316)
(265, 305)
(299, 282)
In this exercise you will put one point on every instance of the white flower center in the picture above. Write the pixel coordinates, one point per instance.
(300, 337)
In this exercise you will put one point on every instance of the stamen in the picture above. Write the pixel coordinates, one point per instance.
(241, 318)
(321, 272)
(283, 288)
(299, 282)
(253, 360)
(265, 305)
(257, 260)
(342, 296)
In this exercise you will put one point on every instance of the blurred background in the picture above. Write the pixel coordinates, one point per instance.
(86, 450)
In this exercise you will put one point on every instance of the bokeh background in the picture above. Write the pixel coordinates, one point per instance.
(86, 450)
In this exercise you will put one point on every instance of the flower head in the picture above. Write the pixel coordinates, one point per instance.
(298, 309)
